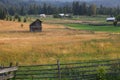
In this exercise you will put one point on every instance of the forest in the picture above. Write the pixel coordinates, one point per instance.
(74, 8)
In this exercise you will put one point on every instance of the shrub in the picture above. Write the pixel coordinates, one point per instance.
(16, 16)
(118, 18)
(101, 74)
(22, 25)
(115, 23)
(7, 18)
(10, 18)
(24, 20)
(56, 16)
(19, 19)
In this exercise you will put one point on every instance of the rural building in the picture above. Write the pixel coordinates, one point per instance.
(110, 19)
(64, 15)
(61, 14)
(36, 26)
(42, 15)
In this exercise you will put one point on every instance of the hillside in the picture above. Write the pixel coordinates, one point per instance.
(106, 3)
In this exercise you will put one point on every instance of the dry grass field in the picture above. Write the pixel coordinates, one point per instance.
(17, 44)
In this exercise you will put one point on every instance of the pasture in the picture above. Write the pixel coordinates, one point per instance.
(101, 28)
(56, 41)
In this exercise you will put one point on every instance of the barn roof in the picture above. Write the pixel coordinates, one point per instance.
(37, 20)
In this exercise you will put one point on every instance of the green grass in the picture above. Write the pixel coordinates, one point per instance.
(94, 28)
(90, 18)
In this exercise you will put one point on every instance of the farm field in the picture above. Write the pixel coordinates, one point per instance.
(103, 28)
(56, 41)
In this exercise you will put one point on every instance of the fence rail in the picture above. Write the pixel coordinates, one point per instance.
(7, 72)
(90, 70)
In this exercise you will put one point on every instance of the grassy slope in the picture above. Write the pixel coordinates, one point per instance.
(55, 42)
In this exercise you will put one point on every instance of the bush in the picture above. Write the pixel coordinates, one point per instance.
(56, 16)
(101, 74)
(7, 18)
(19, 19)
(10, 18)
(115, 23)
(118, 18)
(16, 16)
(24, 20)
(22, 25)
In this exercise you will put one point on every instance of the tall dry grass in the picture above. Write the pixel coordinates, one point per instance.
(17, 44)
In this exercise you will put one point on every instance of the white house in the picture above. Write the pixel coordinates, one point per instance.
(64, 15)
(61, 14)
(42, 15)
(110, 19)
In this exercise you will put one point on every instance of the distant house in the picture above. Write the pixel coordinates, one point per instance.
(61, 14)
(36, 26)
(42, 15)
(110, 19)
(64, 15)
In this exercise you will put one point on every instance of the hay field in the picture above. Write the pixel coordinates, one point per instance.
(17, 44)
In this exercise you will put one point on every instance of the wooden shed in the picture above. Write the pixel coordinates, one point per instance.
(36, 26)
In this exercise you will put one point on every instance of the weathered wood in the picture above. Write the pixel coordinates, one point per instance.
(59, 73)
(71, 71)
(6, 70)
(5, 77)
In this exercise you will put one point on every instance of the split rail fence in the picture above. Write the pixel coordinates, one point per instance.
(7, 72)
(90, 70)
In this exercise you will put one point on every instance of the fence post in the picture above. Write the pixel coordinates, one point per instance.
(2, 66)
(14, 73)
(9, 73)
(59, 72)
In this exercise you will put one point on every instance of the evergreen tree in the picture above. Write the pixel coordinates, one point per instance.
(3, 13)
(22, 11)
(10, 18)
(76, 8)
(19, 19)
(24, 20)
(92, 9)
(84, 9)
(44, 8)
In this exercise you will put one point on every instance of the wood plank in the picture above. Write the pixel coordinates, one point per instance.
(5, 70)
(5, 77)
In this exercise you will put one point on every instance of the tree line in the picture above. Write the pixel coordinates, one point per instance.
(75, 8)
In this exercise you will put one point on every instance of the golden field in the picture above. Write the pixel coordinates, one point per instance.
(55, 42)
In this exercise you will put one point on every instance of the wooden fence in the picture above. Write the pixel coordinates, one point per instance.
(7, 72)
(90, 70)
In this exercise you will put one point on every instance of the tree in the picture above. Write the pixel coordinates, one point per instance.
(24, 20)
(117, 19)
(44, 8)
(84, 9)
(92, 9)
(22, 11)
(115, 23)
(16, 16)
(3, 12)
(19, 19)
(10, 18)
(75, 7)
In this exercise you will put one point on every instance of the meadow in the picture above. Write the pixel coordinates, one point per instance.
(102, 28)
(56, 41)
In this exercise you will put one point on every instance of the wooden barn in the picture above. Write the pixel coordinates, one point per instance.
(36, 26)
